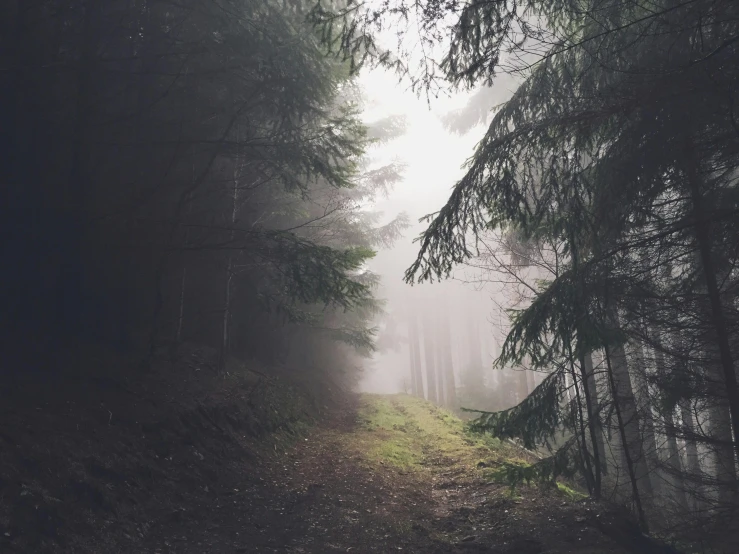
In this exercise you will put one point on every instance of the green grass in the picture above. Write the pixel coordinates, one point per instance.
(570, 493)
(390, 435)
(409, 433)
(397, 452)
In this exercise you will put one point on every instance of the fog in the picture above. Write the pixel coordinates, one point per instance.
(434, 156)
(210, 210)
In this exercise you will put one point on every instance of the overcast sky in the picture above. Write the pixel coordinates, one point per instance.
(434, 159)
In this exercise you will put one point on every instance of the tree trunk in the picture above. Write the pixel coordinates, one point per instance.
(475, 347)
(429, 352)
(677, 477)
(628, 421)
(416, 352)
(626, 425)
(445, 359)
(691, 448)
(415, 355)
(692, 458)
(703, 236)
(594, 428)
(594, 411)
(412, 365)
(441, 391)
(646, 418)
(593, 481)
(719, 429)
(676, 474)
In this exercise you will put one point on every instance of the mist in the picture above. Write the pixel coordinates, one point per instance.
(433, 150)
(395, 275)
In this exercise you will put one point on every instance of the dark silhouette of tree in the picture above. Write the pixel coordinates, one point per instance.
(189, 171)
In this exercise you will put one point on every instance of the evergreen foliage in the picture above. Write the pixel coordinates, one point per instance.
(534, 421)
(620, 150)
(189, 171)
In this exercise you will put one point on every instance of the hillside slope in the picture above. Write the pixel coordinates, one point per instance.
(214, 463)
(98, 455)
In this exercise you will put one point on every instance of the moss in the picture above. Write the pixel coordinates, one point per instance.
(398, 452)
(410, 433)
(377, 412)
(570, 493)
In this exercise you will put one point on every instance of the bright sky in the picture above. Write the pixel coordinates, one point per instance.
(433, 155)
(434, 159)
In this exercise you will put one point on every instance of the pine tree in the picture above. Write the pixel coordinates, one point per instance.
(620, 146)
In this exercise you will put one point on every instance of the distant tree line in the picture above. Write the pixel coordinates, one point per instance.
(449, 352)
(185, 171)
(431, 365)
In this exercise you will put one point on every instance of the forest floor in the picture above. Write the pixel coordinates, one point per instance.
(223, 464)
(396, 474)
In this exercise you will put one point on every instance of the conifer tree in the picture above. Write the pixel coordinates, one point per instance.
(620, 146)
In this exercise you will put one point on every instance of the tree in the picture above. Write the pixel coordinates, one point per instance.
(415, 355)
(430, 359)
(444, 356)
(188, 172)
(595, 153)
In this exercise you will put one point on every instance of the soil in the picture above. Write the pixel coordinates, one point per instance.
(220, 464)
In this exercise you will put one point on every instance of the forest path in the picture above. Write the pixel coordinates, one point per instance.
(390, 474)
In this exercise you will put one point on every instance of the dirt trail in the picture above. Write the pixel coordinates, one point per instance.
(386, 474)
(377, 474)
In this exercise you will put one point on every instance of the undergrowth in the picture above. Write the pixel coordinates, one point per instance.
(413, 436)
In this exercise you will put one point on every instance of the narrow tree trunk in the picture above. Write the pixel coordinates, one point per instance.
(585, 376)
(692, 458)
(625, 426)
(594, 411)
(441, 391)
(719, 430)
(677, 476)
(691, 448)
(474, 342)
(594, 430)
(445, 359)
(412, 367)
(593, 488)
(628, 419)
(429, 351)
(646, 419)
(416, 344)
(703, 236)
(673, 462)
(414, 354)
